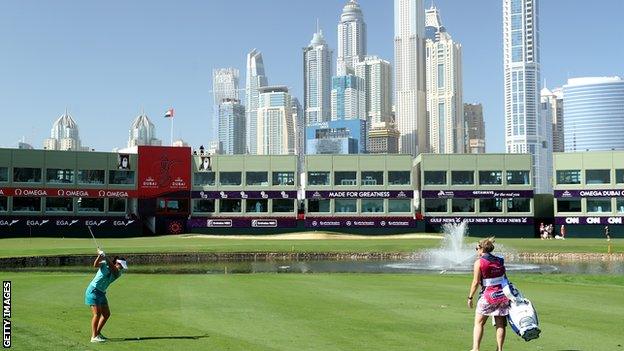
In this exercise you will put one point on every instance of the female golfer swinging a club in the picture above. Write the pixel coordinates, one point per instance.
(489, 272)
(95, 295)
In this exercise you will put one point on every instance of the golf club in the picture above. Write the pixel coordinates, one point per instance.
(93, 236)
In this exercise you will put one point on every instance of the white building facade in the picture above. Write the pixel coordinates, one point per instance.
(351, 38)
(232, 136)
(317, 73)
(275, 124)
(552, 106)
(255, 80)
(143, 132)
(64, 135)
(377, 76)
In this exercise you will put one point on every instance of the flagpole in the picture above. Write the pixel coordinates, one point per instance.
(171, 118)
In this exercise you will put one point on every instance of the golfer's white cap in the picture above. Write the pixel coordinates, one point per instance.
(123, 263)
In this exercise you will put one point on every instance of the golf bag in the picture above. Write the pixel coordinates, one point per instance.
(522, 315)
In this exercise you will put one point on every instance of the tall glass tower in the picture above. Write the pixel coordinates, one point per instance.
(526, 129)
(256, 79)
(317, 72)
(351, 38)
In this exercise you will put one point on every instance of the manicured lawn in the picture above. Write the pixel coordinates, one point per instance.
(305, 312)
(56, 246)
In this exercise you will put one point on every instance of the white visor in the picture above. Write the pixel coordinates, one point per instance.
(123, 264)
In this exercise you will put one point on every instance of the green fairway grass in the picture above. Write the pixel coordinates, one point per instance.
(58, 246)
(305, 312)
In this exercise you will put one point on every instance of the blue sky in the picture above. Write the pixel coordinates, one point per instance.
(106, 60)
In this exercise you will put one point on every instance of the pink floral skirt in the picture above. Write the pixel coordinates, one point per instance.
(487, 309)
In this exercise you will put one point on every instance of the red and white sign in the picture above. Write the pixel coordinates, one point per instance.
(163, 170)
(50, 192)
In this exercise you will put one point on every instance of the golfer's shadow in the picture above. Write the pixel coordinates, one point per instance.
(171, 337)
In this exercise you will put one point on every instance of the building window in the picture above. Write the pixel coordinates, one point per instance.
(440, 75)
(283, 205)
(619, 205)
(345, 205)
(26, 175)
(4, 204)
(345, 178)
(257, 178)
(490, 178)
(177, 206)
(26, 204)
(491, 205)
(372, 205)
(230, 178)
(463, 205)
(203, 205)
(57, 176)
(462, 177)
(230, 205)
(283, 178)
(117, 205)
(59, 204)
(399, 177)
(91, 176)
(318, 178)
(4, 174)
(85, 204)
(435, 177)
(257, 205)
(518, 178)
(599, 205)
(568, 205)
(372, 178)
(121, 177)
(619, 176)
(319, 205)
(399, 205)
(598, 176)
(204, 178)
(569, 177)
(436, 205)
(518, 205)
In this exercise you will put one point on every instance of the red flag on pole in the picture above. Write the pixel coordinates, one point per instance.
(169, 113)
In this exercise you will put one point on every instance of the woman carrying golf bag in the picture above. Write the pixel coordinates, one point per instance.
(95, 295)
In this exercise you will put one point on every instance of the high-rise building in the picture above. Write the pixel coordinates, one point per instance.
(351, 38)
(64, 135)
(300, 125)
(231, 127)
(475, 128)
(317, 71)
(383, 138)
(256, 79)
(526, 129)
(552, 106)
(377, 76)
(409, 68)
(348, 98)
(444, 87)
(224, 86)
(275, 127)
(143, 132)
(593, 117)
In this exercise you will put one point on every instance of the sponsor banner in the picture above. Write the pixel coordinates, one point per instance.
(589, 220)
(589, 193)
(243, 222)
(476, 194)
(360, 222)
(244, 194)
(163, 170)
(480, 220)
(66, 222)
(358, 194)
(39, 192)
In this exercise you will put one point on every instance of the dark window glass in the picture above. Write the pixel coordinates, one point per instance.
(491, 205)
(569, 177)
(318, 178)
(569, 205)
(4, 174)
(27, 204)
(436, 205)
(619, 176)
(257, 178)
(372, 178)
(257, 205)
(85, 204)
(399, 177)
(345, 178)
(519, 205)
(121, 177)
(319, 205)
(283, 178)
(598, 176)
(435, 177)
(56, 176)
(345, 205)
(117, 205)
(490, 178)
(27, 175)
(399, 205)
(230, 178)
(620, 205)
(86, 176)
(518, 178)
(599, 205)
(59, 204)
(372, 205)
(462, 178)
(177, 205)
(283, 205)
(4, 204)
(204, 205)
(230, 205)
(463, 205)
(204, 178)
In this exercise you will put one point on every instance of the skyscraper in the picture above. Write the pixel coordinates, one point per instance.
(526, 131)
(317, 72)
(299, 126)
(276, 127)
(475, 128)
(224, 86)
(64, 135)
(409, 61)
(351, 38)
(444, 87)
(552, 106)
(143, 132)
(255, 80)
(377, 76)
(348, 98)
(231, 127)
